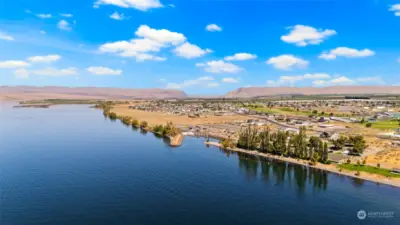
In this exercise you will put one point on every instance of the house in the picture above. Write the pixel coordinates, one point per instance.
(396, 143)
(291, 130)
(326, 126)
(396, 171)
(330, 135)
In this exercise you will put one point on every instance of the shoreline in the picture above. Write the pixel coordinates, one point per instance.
(330, 168)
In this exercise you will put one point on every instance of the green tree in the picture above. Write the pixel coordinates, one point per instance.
(248, 138)
(135, 123)
(264, 139)
(227, 143)
(368, 125)
(359, 144)
(316, 157)
(113, 115)
(143, 124)
(340, 142)
(325, 153)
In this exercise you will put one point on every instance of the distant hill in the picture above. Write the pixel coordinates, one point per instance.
(251, 92)
(56, 92)
(31, 92)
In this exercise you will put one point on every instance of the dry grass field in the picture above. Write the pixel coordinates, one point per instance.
(154, 118)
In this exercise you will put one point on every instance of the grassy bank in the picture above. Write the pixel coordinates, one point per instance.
(369, 169)
(385, 124)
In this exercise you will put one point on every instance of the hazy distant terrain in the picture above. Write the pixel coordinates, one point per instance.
(30, 92)
(269, 91)
(53, 92)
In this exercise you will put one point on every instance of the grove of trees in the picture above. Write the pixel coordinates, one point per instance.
(284, 144)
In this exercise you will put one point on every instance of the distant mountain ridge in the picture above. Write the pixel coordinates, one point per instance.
(251, 92)
(54, 92)
(46, 92)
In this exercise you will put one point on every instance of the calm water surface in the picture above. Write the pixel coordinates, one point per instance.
(70, 165)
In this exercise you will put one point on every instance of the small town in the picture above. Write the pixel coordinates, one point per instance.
(353, 131)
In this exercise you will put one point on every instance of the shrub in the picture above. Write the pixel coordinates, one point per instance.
(348, 161)
(227, 143)
(113, 115)
(126, 120)
(135, 123)
(378, 165)
(143, 124)
(368, 125)
(158, 129)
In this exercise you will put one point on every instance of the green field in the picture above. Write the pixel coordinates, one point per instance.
(285, 111)
(369, 169)
(385, 125)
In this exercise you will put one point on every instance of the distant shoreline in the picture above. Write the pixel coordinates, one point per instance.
(330, 168)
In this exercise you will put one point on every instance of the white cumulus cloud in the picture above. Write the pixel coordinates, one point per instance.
(162, 36)
(21, 74)
(64, 25)
(44, 16)
(230, 80)
(205, 81)
(314, 76)
(6, 37)
(99, 70)
(67, 15)
(213, 28)
(346, 52)
(12, 64)
(55, 72)
(152, 40)
(44, 59)
(240, 57)
(189, 51)
(118, 16)
(396, 9)
(219, 66)
(285, 80)
(342, 80)
(320, 83)
(142, 5)
(302, 35)
(287, 62)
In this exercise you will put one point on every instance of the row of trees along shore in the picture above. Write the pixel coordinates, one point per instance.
(165, 130)
(287, 144)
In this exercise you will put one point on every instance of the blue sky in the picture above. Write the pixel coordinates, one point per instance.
(199, 46)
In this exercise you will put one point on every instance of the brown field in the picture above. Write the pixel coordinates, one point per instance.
(388, 158)
(154, 118)
(379, 150)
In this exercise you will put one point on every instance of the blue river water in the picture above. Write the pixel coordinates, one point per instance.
(70, 165)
